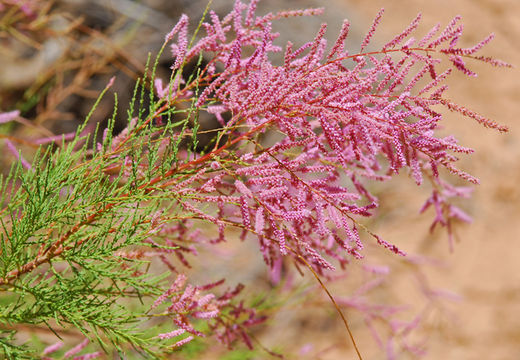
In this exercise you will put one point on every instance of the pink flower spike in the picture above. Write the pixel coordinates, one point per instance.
(280, 237)
(259, 221)
(183, 21)
(110, 82)
(406, 32)
(55, 138)
(251, 12)
(9, 116)
(389, 246)
(242, 189)
(372, 30)
(183, 341)
(76, 349)
(17, 154)
(171, 334)
(176, 286)
(339, 45)
(206, 314)
(53, 348)
(161, 91)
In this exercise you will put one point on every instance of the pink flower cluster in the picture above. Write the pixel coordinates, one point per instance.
(298, 146)
(189, 302)
(341, 120)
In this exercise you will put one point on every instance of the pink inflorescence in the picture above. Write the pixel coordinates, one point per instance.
(344, 119)
(187, 303)
(341, 120)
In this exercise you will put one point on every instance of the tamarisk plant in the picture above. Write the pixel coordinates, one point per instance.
(84, 229)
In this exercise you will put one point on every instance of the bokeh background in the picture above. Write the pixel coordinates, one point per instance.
(478, 312)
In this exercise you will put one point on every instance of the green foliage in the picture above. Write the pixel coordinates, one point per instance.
(69, 217)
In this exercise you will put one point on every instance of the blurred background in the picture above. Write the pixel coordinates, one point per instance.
(52, 67)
